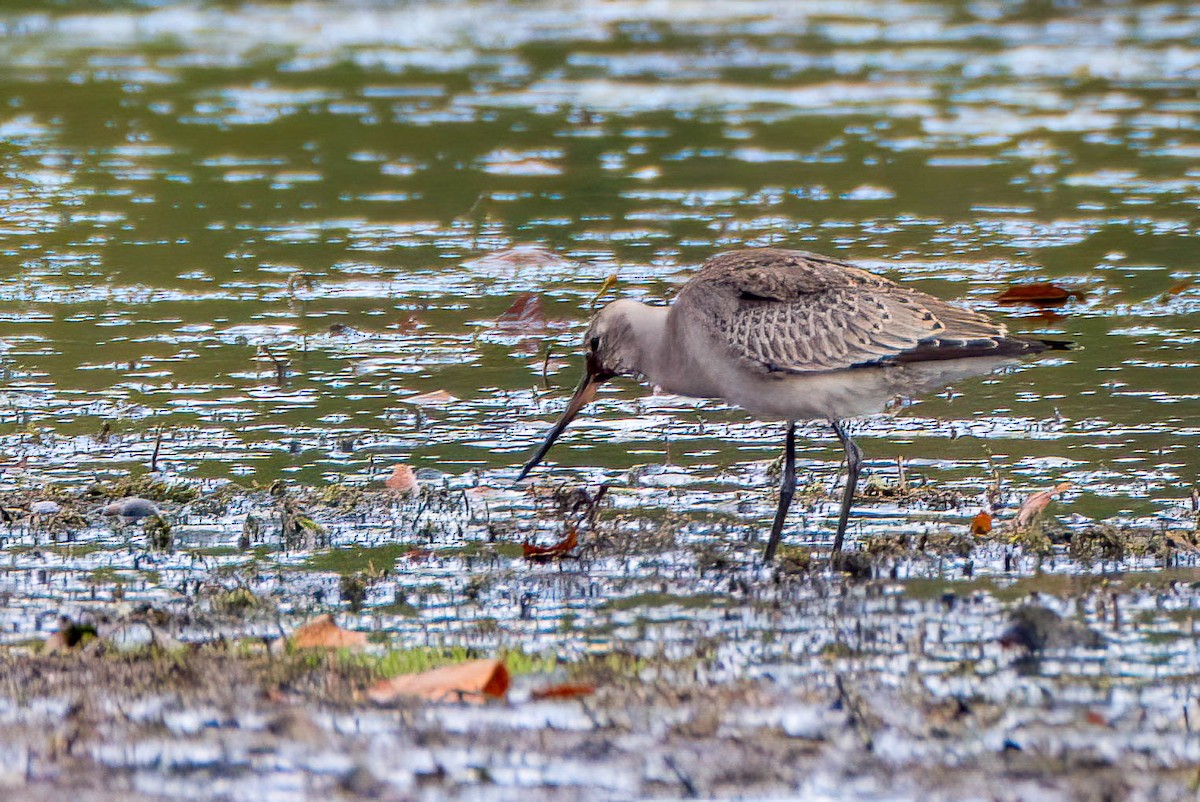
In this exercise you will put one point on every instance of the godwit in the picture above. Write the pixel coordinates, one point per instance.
(789, 335)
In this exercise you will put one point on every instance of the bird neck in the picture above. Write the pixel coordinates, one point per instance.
(648, 327)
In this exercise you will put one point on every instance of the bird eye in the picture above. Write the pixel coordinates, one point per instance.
(594, 344)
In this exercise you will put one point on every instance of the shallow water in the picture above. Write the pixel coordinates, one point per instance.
(188, 184)
(262, 229)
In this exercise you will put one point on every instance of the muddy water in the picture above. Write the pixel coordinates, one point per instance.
(269, 232)
(188, 185)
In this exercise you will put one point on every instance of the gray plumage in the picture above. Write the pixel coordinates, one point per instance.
(798, 312)
(789, 335)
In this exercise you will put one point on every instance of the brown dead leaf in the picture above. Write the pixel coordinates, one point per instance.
(1033, 506)
(567, 690)
(472, 681)
(981, 524)
(546, 553)
(323, 633)
(1037, 294)
(402, 480)
(437, 398)
(525, 314)
(69, 636)
(1179, 287)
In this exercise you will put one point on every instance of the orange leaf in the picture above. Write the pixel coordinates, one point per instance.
(323, 633)
(981, 524)
(567, 690)
(1180, 287)
(402, 480)
(558, 550)
(526, 313)
(473, 681)
(1033, 506)
(1038, 294)
(437, 398)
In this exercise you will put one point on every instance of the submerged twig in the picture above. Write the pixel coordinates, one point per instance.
(157, 448)
(281, 366)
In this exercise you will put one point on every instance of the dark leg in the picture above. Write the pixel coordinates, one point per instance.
(854, 457)
(787, 489)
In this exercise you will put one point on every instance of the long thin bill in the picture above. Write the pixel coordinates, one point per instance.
(583, 394)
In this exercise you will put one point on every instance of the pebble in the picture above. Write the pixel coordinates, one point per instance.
(132, 508)
(44, 507)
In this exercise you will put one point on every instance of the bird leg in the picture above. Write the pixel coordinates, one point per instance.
(787, 489)
(854, 457)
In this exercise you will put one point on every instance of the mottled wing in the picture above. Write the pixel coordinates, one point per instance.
(797, 312)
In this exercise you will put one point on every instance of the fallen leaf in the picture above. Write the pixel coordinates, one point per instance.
(558, 550)
(525, 314)
(471, 681)
(1033, 506)
(68, 636)
(1179, 287)
(1037, 294)
(436, 398)
(1096, 718)
(402, 480)
(417, 554)
(981, 524)
(323, 633)
(566, 690)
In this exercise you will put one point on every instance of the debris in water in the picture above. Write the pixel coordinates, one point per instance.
(132, 509)
(546, 553)
(68, 636)
(566, 690)
(981, 524)
(608, 284)
(324, 633)
(472, 681)
(525, 315)
(1037, 294)
(402, 480)
(1033, 506)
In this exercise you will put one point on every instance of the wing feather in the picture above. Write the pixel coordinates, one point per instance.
(797, 312)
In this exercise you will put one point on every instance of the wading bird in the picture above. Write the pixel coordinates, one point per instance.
(790, 335)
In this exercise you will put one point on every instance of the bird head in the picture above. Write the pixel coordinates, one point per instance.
(609, 353)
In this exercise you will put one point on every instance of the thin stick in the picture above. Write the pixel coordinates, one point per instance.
(281, 366)
(157, 447)
(546, 368)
